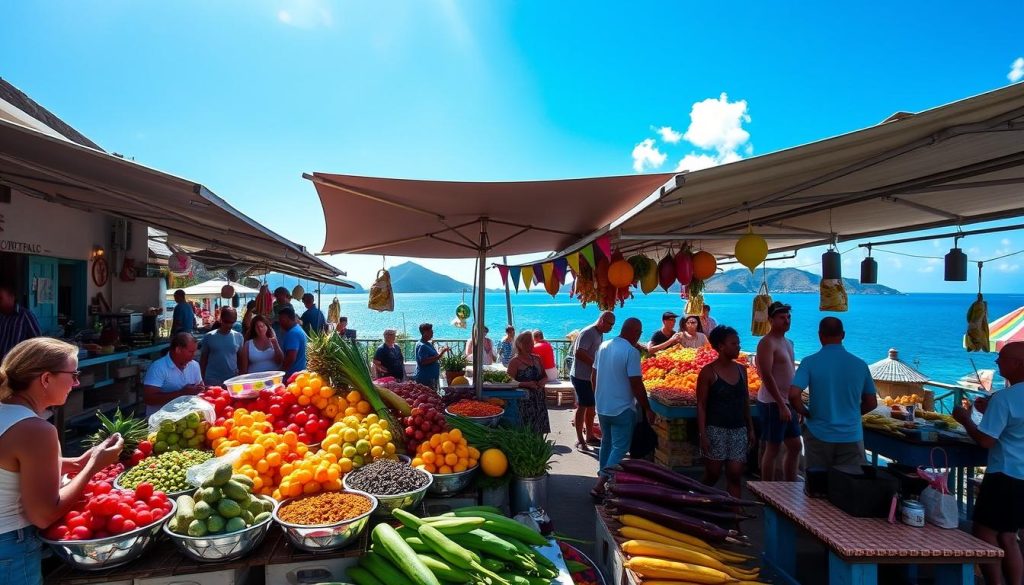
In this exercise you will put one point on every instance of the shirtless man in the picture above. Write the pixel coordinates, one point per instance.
(779, 424)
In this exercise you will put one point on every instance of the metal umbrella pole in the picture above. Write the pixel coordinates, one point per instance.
(478, 372)
(508, 296)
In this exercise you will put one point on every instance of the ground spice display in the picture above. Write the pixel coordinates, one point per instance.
(387, 477)
(325, 508)
(474, 408)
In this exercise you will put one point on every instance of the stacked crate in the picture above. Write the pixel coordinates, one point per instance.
(677, 442)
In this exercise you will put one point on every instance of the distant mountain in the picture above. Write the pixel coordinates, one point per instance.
(785, 280)
(275, 280)
(410, 277)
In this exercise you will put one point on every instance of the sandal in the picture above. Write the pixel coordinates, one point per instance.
(583, 447)
(594, 441)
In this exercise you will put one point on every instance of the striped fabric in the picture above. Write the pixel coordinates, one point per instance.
(1006, 329)
(15, 328)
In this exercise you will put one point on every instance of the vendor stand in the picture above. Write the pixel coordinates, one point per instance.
(858, 546)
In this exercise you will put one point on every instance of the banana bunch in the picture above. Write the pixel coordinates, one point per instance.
(882, 423)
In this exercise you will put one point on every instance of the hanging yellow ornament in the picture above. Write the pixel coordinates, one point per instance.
(751, 250)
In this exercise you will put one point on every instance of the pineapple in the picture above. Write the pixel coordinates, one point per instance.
(321, 358)
(132, 430)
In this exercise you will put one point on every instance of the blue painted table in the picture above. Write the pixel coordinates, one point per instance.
(857, 546)
(962, 459)
(676, 412)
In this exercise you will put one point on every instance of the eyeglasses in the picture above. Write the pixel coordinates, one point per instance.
(74, 374)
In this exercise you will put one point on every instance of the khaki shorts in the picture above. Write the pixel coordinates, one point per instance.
(818, 453)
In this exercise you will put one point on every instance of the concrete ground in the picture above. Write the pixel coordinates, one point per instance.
(572, 509)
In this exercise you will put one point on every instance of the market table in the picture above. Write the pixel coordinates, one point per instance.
(858, 545)
(963, 458)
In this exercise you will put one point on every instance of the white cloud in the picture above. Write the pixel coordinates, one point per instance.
(647, 156)
(926, 269)
(695, 162)
(896, 263)
(305, 14)
(1007, 267)
(668, 135)
(1005, 242)
(718, 124)
(1016, 70)
(934, 261)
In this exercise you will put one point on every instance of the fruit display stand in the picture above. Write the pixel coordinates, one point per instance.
(609, 557)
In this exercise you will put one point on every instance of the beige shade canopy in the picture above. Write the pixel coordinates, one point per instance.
(194, 219)
(211, 288)
(953, 165)
(891, 369)
(443, 219)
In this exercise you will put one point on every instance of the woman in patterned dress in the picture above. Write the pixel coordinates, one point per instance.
(526, 369)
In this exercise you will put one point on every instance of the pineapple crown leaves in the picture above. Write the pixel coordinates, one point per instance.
(131, 429)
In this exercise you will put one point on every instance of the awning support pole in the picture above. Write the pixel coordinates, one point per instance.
(508, 296)
(481, 297)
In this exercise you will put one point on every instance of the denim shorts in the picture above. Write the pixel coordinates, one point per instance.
(773, 430)
(21, 557)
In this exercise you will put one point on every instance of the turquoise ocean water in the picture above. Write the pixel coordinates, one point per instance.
(927, 329)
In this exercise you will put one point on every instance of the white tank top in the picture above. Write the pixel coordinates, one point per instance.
(12, 517)
(260, 361)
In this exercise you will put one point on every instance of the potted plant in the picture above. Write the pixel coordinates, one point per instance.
(454, 365)
(529, 459)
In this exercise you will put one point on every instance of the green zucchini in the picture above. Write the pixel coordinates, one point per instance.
(455, 525)
(387, 539)
(383, 570)
(445, 571)
(455, 554)
(502, 525)
(361, 576)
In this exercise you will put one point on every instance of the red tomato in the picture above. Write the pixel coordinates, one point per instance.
(311, 427)
(144, 518)
(277, 410)
(115, 525)
(129, 525)
(155, 502)
(97, 523)
(109, 507)
(125, 510)
(324, 424)
(81, 533)
(300, 418)
(101, 534)
(146, 447)
(144, 490)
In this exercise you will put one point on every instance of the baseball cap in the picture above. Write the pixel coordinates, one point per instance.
(778, 307)
(669, 315)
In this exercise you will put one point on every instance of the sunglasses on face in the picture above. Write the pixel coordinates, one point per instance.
(75, 374)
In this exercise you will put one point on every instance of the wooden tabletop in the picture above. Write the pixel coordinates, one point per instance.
(865, 539)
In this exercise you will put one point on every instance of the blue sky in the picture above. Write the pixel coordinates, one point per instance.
(245, 95)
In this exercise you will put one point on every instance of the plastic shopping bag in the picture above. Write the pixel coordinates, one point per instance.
(181, 424)
(759, 324)
(939, 505)
(381, 296)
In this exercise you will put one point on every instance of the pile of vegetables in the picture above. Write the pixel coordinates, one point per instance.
(476, 545)
(528, 453)
(670, 376)
(676, 527)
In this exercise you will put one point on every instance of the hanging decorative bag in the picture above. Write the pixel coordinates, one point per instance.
(833, 296)
(940, 506)
(381, 296)
(759, 324)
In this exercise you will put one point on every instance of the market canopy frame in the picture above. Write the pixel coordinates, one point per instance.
(449, 219)
(60, 171)
(211, 288)
(953, 165)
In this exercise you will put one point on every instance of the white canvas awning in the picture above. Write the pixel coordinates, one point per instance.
(957, 164)
(195, 219)
(211, 288)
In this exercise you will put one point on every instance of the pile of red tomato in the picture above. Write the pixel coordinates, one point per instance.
(103, 511)
(282, 411)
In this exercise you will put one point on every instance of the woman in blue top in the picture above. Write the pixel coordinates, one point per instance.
(723, 412)
(428, 370)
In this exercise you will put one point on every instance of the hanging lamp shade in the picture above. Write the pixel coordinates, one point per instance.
(751, 250)
(831, 265)
(462, 312)
(956, 266)
(868, 271)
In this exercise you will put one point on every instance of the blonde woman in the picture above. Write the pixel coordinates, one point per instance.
(36, 375)
(527, 369)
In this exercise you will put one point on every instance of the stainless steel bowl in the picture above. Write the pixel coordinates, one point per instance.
(390, 503)
(222, 547)
(325, 537)
(448, 484)
(103, 553)
(487, 421)
(170, 495)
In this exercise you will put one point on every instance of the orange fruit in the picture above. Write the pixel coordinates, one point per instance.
(493, 462)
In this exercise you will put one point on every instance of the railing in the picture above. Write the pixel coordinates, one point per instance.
(957, 393)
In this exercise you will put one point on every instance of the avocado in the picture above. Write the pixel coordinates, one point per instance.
(228, 508)
(221, 474)
(261, 517)
(235, 491)
(243, 479)
(197, 528)
(203, 511)
(215, 524)
(234, 525)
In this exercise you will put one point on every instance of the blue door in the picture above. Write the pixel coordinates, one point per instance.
(42, 292)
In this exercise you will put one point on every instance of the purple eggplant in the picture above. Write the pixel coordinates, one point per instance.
(667, 476)
(672, 519)
(625, 477)
(671, 496)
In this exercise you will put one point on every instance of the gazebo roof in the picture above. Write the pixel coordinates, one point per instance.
(891, 369)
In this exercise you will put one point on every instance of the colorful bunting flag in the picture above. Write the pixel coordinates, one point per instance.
(604, 243)
(549, 270)
(514, 273)
(527, 277)
(503, 270)
(560, 266)
(574, 262)
(588, 254)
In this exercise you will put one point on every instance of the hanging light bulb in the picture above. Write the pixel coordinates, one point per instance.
(956, 264)
(868, 270)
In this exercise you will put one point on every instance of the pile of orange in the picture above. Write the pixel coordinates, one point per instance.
(265, 459)
(243, 428)
(309, 388)
(351, 404)
(314, 473)
(446, 453)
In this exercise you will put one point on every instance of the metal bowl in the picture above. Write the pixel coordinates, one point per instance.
(103, 553)
(487, 421)
(389, 503)
(448, 484)
(170, 495)
(222, 547)
(325, 537)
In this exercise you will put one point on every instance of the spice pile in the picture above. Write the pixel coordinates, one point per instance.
(165, 471)
(387, 477)
(474, 408)
(325, 508)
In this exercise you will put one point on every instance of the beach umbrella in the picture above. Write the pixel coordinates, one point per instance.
(1006, 329)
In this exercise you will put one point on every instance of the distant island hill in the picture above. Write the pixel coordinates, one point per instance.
(410, 277)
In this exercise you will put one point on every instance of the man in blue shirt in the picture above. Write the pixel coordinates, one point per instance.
(184, 318)
(428, 370)
(841, 390)
(293, 342)
(218, 359)
(313, 320)
(999, 510)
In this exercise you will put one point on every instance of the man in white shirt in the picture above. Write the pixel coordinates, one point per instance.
(176, 374)
(618, 389)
